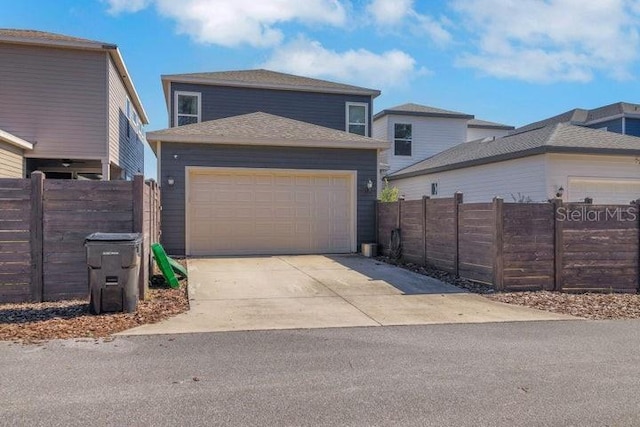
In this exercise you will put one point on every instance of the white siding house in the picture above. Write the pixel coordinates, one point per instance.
(417, 132)
(509, 180)
(480, 129)
(559, 160)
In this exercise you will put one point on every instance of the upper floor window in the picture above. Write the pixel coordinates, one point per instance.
(402, 139)
(188, 106)
(358, 118)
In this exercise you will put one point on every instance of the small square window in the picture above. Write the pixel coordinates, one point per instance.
(187, 108)
(357, 118)
(402, 139)
(434, 188)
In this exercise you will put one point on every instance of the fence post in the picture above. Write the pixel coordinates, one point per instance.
(498, 244)
(558, 245)
(138, 227)
(636, 203)
(425, 200)
(36, 236)
(377, 224)
(457, 201)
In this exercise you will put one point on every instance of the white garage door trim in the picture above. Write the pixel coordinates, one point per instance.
(576, 193)
(353, 176)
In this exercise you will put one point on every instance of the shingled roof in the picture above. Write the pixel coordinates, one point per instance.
(483, 124)
(411, 109)
(555, 138)
(581, 116)
(265, 129)
(268, 79)
(33, 36)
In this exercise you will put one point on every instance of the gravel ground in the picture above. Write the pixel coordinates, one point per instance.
(35, 322)
(587, 305)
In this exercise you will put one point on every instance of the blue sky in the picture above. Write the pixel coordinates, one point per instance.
(509, 61)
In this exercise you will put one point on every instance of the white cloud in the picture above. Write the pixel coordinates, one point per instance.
(130, 6)
(400, 16)
(389, 12)
(553, 40)
(236, 22)
(360, 67)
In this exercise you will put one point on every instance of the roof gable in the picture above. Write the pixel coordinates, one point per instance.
(10, 138)
(13, 35)
(411, 109)
(484, 124)
(267, 79)
(264, 129)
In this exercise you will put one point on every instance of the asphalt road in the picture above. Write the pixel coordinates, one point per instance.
(538, 373)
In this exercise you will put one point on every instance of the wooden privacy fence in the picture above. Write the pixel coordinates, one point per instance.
(520, 246)
(43, 225)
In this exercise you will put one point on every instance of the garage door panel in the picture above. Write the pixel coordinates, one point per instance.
(258, 212)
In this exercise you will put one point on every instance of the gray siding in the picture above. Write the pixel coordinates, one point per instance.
(126, 148)
(614, 125)
(322, 109)
(11, 161)
(55, 98)
(173, 198)
(632, 126)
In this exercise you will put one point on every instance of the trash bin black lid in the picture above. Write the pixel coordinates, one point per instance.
(113, 237)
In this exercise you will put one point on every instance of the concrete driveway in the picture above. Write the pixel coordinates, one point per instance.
(315, 291)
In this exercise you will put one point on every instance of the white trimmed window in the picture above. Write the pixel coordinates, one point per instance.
(188, 108)
(402, 138)
(357, 118)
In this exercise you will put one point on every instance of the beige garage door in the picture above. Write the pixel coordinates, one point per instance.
(236, 212)
(603, 190)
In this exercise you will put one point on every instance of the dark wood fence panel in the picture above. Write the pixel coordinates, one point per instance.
(387, 221)
(412, 226)
(523, 246)
(528, 246)
(476, 224)
(600, 248)
(15, 248)
(44, 223)
(72, 211)
(441, 240)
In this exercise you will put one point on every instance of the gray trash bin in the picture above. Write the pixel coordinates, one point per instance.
(113, 260)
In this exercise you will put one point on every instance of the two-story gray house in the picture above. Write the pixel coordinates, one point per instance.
(68, 107)
(260, 162)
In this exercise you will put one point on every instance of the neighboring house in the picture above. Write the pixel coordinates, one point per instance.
(199, 97)
(287, 180)
(12, 151)
(573, 162)
(72, 106)
(480, 129)
(417, 132)
(620, 117)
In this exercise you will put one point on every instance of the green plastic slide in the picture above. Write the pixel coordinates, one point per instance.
(168, 266)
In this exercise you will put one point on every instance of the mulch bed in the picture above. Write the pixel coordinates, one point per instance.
(587, 305)
(36, 322)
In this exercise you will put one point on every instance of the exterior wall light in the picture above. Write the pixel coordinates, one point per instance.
(171, 181)
(369, 186)
(560, 192)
